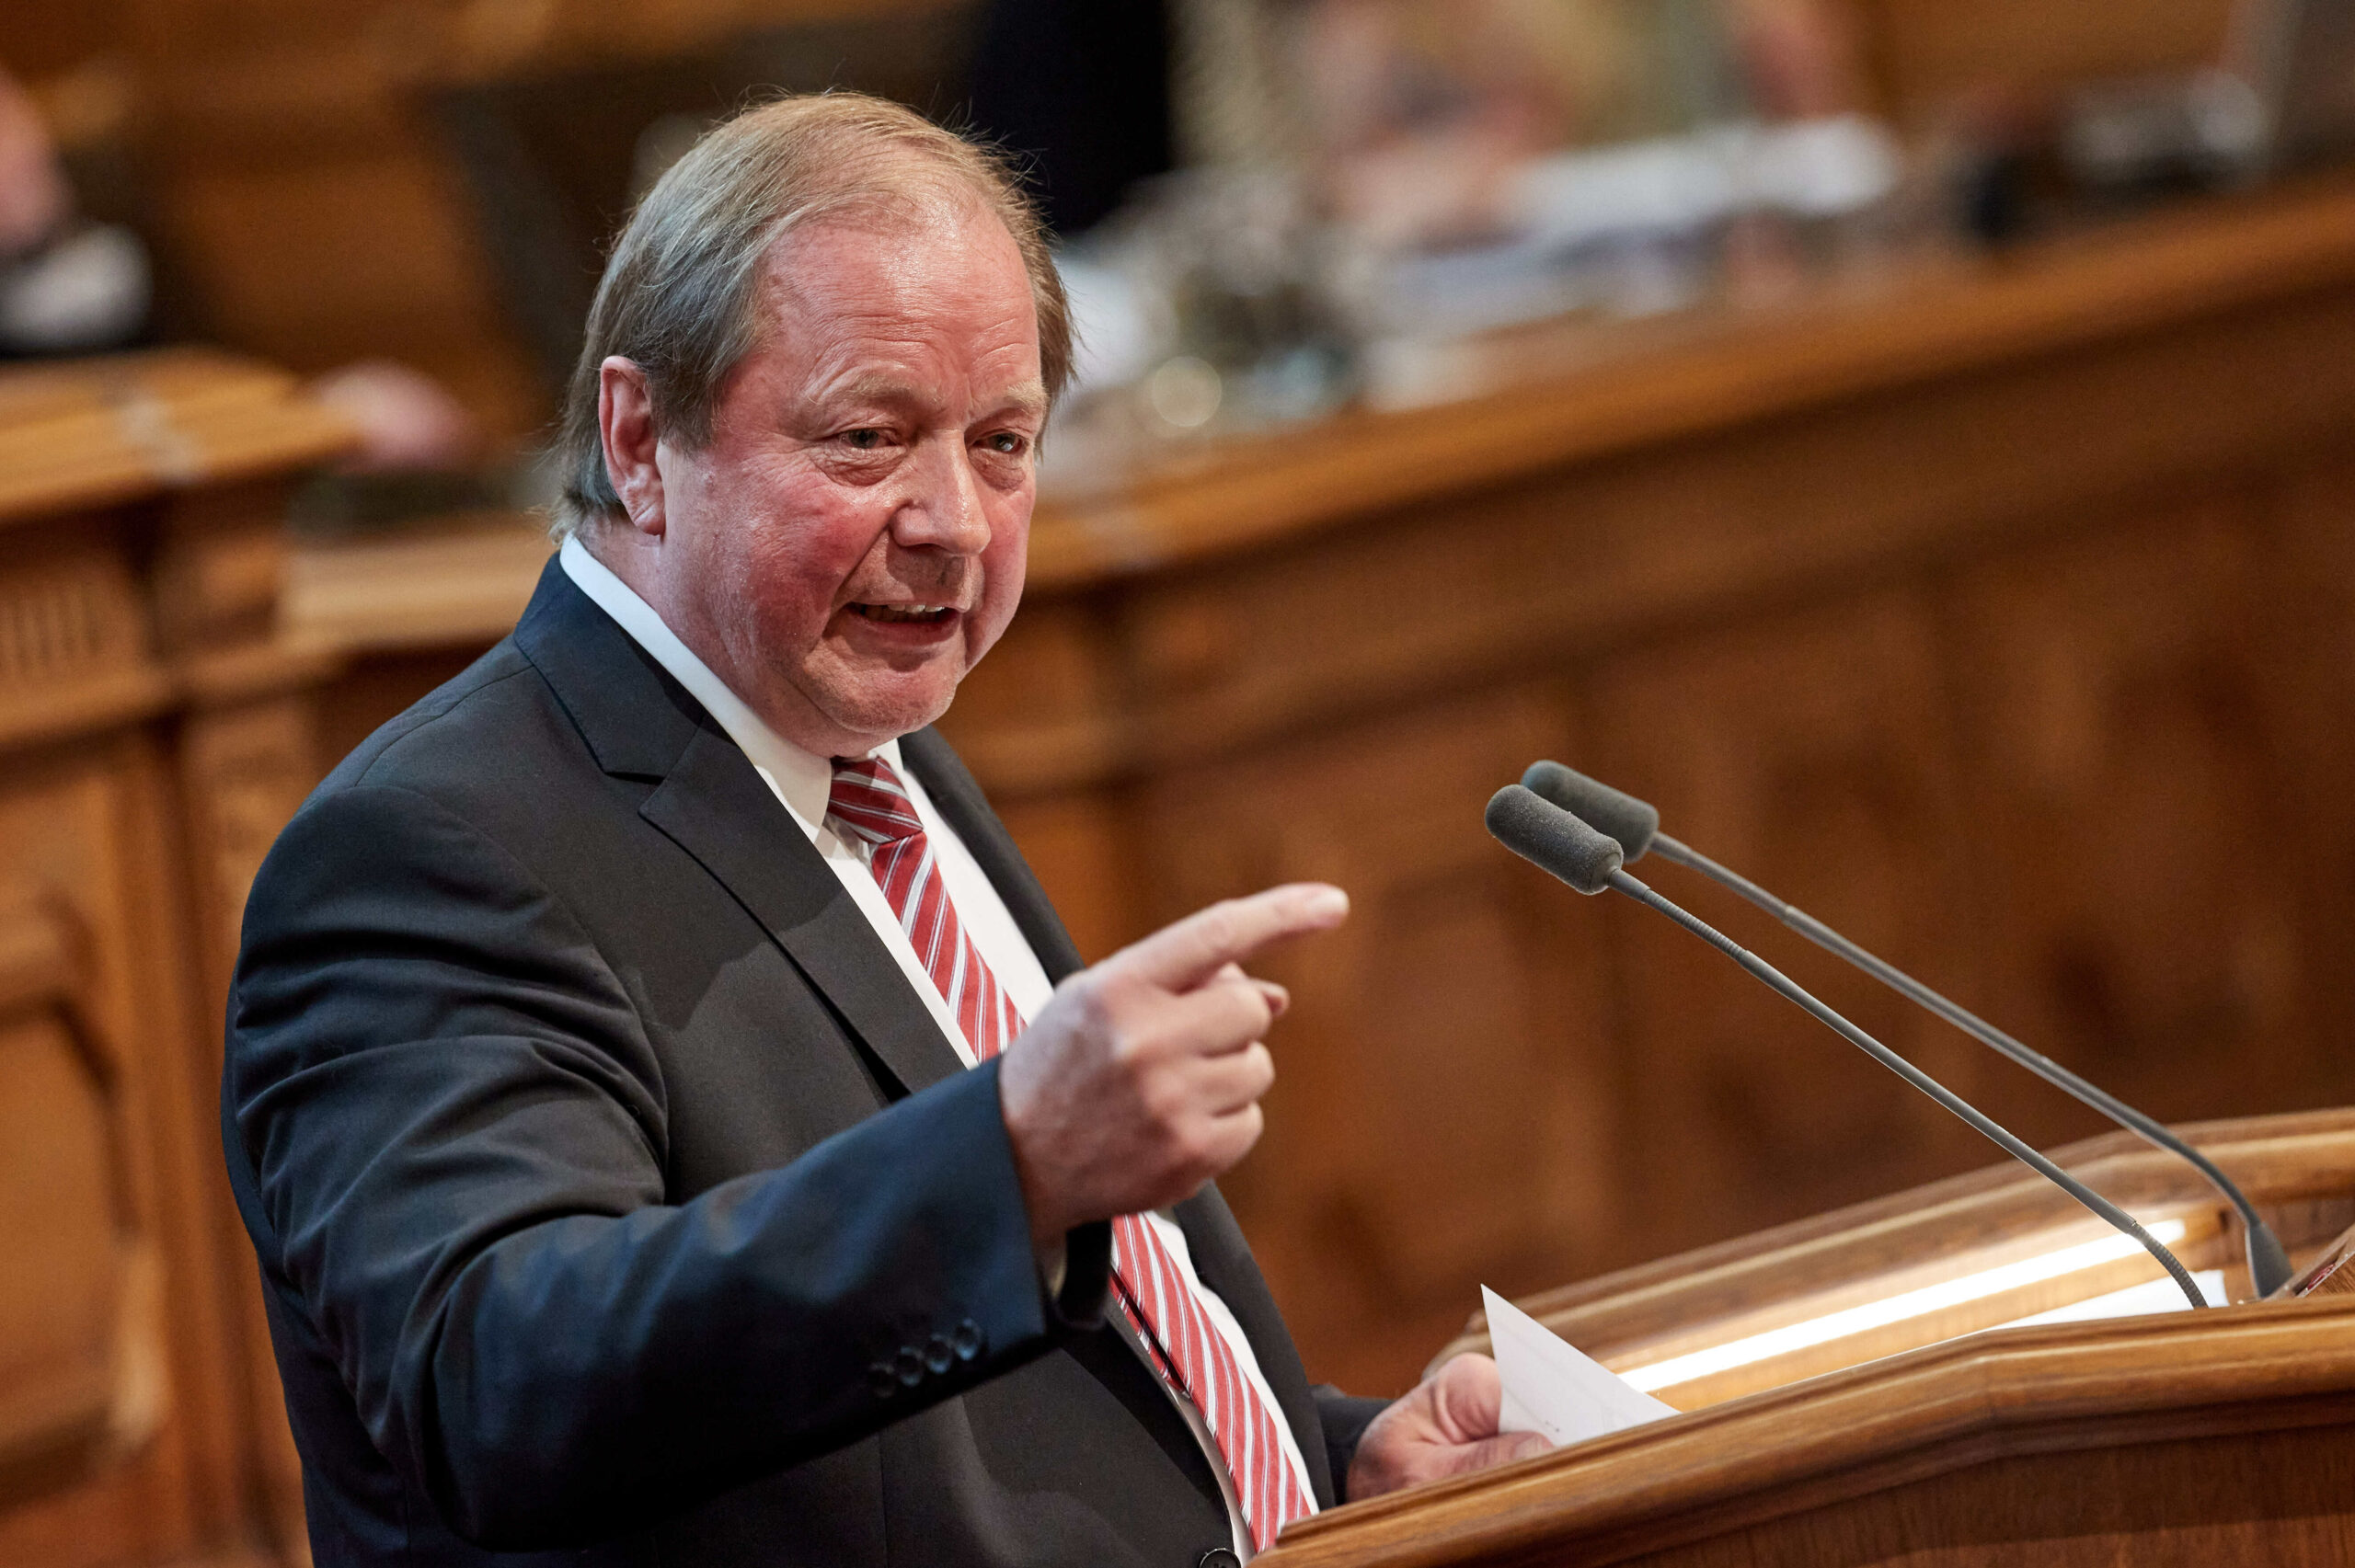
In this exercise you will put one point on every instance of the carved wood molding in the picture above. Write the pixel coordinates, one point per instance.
(152, 579)
(38, 961)
(73, 647)
(246, 769)
(76, 1418)
(61, 1421)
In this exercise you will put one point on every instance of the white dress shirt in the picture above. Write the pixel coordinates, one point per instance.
(803, 783)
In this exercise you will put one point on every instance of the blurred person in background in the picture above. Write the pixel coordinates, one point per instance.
(672, 1122)
(1426, 111)
(67, 286)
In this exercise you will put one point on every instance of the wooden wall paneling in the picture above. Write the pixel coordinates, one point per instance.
(1756, 575)
(1810, 749)
(1081, 848)
(157, 897)
(97, 1066)
(1049, 708)
(75, 656)
(1441, 1117)
(2308, 604)
(2125, 767)
(246, 768)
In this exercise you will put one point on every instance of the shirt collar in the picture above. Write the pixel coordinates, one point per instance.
(800, 778)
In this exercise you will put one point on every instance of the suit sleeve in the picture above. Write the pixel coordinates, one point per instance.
(454, 1131)
(1344, 1418)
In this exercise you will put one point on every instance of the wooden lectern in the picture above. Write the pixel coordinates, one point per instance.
(1893, 1384)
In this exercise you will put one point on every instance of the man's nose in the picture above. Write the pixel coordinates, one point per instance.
(942, 509)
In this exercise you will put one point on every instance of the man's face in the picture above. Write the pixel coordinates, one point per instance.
(851, 541)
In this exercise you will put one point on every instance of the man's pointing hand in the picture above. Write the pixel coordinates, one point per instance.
(1141, 1079)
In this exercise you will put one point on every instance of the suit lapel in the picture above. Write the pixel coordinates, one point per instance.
(715, 808)
(640, 723)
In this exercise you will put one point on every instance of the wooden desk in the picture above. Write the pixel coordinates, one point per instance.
(154, 736)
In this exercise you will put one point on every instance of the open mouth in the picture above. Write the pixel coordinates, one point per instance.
(922, 614)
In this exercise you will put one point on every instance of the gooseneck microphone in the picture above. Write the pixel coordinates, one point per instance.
(1557, 843)
(1636, 825)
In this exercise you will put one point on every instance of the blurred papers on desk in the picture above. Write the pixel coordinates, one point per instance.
(1436, 170)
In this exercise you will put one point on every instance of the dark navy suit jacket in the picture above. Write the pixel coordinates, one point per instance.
(618, 1202)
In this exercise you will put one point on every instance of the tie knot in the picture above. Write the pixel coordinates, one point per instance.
(869, 800)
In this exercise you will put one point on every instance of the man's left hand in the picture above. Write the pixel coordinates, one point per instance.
(1446, 1427)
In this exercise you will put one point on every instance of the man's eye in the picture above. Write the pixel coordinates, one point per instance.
(863, 441)
(1012, 443)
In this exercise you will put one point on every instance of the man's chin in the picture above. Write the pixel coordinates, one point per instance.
(873, 717)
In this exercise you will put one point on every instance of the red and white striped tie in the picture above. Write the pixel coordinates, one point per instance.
(870, 802)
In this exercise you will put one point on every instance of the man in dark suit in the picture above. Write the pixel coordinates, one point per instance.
(673, 1125)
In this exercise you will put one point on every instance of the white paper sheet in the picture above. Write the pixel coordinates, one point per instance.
(1550, 1388)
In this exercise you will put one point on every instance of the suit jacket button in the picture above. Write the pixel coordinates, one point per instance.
(1218, 1557)
(967, 1341)
(909, 1364)
(937, 1356)
(880, 1380)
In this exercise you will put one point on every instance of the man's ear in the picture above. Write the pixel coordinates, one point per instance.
(625, 421)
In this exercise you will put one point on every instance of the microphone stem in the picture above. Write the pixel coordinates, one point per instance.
(1790, 992)
(2269, 1264)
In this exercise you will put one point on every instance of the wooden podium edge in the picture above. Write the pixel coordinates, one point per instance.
(2002, 1393)
(2285, 1157)
(83, 435)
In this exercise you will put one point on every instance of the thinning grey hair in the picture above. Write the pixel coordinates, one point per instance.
(681, 291)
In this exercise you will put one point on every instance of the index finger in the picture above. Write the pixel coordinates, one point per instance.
(1180, 956)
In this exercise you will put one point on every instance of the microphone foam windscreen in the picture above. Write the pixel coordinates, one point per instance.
(1552, 839)
(1622, 816)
